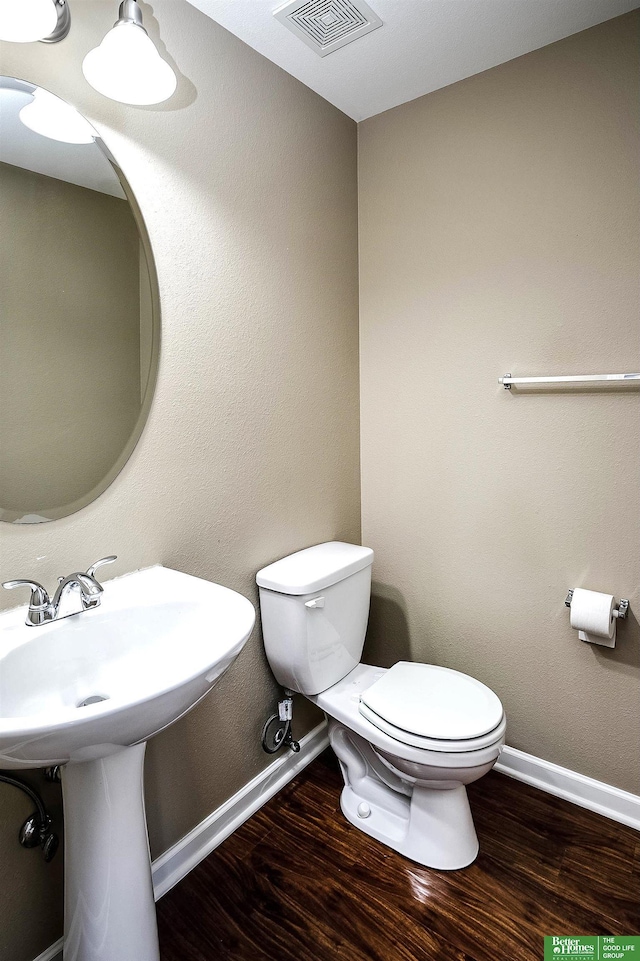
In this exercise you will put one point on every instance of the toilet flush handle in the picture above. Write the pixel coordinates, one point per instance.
(314, 603)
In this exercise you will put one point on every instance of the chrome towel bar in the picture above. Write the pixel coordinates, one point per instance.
(587, 379)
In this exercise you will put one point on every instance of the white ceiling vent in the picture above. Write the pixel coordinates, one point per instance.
(326, 25)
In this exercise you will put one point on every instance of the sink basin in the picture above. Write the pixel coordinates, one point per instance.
(86, 692)
(156, 645)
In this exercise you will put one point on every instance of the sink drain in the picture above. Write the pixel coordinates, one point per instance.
(94, 699)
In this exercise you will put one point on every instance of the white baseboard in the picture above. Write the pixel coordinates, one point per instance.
(175, 863)
(54, 953)
(584, 791)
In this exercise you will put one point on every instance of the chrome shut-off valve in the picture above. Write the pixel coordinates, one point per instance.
(276, 732)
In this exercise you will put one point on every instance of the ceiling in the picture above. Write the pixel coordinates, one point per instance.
(423, 44)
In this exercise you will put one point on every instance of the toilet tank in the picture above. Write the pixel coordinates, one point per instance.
(314, 607)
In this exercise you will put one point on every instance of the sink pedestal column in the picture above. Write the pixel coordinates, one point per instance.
(109, 910)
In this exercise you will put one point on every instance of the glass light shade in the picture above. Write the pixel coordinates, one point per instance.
(53, 118)
(24, 21)
(128, 68)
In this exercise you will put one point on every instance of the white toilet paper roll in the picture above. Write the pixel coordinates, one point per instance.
(592, 616)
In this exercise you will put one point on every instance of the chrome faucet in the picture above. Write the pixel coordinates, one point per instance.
(43, 610)
(88, 586)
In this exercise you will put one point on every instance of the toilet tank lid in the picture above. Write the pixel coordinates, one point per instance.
(314, 568)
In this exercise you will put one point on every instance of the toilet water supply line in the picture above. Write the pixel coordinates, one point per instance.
(276, 732)
(36, 830)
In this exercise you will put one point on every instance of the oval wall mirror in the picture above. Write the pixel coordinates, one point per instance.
(79, 319)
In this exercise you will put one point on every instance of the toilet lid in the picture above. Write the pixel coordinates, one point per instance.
(433, 702)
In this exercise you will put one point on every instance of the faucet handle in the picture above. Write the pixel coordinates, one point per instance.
(101, 563)
(40, 607)
(39, 596)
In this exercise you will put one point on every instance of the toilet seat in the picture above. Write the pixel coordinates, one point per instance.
(342, 702)
(433, 708)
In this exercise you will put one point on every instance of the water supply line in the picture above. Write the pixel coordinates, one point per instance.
(36, 830)
(276, 732)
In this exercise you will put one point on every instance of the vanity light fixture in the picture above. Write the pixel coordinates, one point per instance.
(51, 117)
(24, 21)
(126, 66)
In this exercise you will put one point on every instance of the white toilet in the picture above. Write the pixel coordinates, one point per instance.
(408, 738)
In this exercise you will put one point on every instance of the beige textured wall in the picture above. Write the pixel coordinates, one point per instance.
(247, 182)
(498, 232)
(70, 335)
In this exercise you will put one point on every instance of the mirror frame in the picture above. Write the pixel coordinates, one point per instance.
(12, 516)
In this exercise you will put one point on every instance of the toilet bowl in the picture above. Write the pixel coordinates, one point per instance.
(410, 797)
(408, 738)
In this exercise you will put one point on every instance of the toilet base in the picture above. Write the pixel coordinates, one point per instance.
(437, 831)
(430, 825)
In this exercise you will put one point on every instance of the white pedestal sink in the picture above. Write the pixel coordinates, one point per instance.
(157, 644)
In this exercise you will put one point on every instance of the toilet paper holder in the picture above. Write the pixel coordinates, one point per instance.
(621, 612)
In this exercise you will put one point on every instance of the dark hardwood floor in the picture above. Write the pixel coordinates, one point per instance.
(298, 883)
